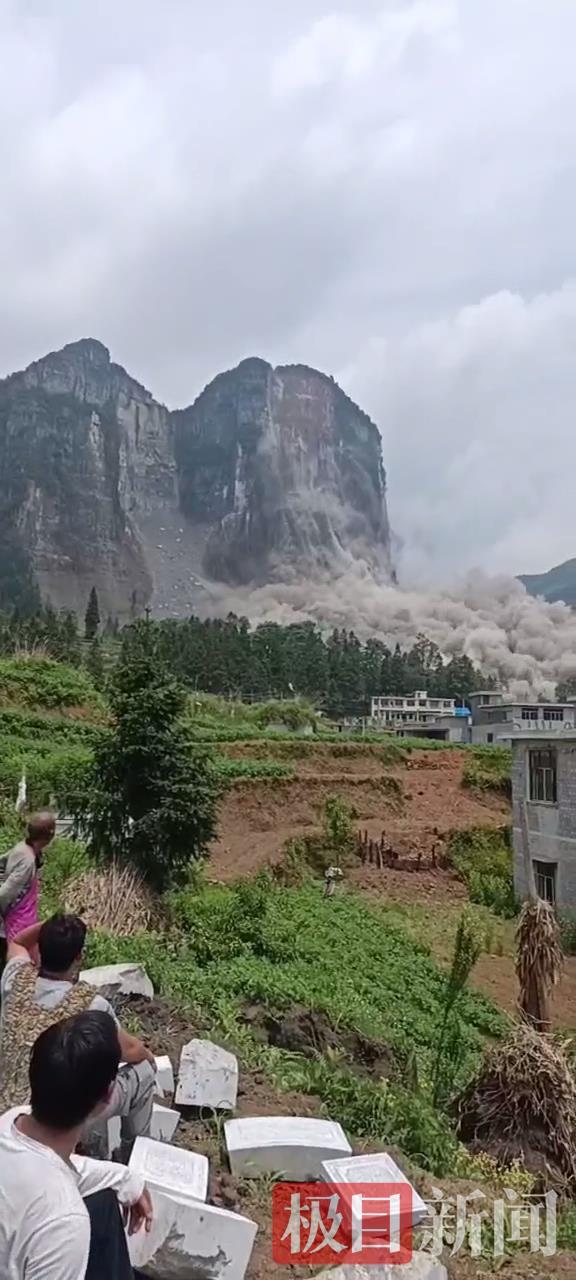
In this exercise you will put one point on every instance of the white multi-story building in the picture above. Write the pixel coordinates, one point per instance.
(411, 711)
(496, 717)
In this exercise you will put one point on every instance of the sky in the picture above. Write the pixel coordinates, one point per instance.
(385, 190)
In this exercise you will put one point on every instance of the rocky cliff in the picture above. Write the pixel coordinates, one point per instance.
(271, 473)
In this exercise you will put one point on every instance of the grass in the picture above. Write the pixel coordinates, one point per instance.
(489, 769)
(483, 858)
(41, 683)
(257, 942)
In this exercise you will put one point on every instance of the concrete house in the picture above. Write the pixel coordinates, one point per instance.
(544, 777)
(495, 717)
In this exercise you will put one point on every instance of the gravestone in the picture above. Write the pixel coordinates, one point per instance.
(189, 1239)
(170, 1169)
(378, 1169)
(164, 1123)
(119, 980)
(421, 1267)
(208, 1077)
(165, 1076)
(292, 1147)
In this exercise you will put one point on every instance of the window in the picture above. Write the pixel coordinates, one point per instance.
(529, 713)
(489, 737)
(543, 777)
(545, 873)
(553, 713)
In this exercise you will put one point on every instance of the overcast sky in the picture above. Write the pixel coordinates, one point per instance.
(386, 190)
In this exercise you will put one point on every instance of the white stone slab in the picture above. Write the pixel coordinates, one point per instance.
(292, 1147)
(114, 1135)
(120, 979)
(170, 1169)
(164, 1123)
(208, 1077)
(421, 1267)
(189, 1239)
(165, 1076)
(379, 1169)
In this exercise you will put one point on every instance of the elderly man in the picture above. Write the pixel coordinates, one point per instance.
(19, 882)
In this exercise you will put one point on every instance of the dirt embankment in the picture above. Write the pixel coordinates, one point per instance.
(408, 802)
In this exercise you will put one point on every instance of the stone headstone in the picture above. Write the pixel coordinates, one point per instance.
(170, 1169)
(207, 1077)
(164, 1123)
(421, 1267)
(119, 980)
(192, 1240)
(165, 1076)
(379, 1169)
(291, 1147)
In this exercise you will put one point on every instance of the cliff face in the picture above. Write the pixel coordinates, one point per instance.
(284, 472)
(271, 473)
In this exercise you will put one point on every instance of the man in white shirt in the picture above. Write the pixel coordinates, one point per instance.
(45, 1190)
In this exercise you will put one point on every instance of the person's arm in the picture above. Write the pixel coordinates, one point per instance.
(133, 1050)
(58, 1250)
(104, 1175)
(19, 948)
(17, 881)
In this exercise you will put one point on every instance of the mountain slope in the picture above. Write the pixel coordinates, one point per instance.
(558, 583)
(271, 472)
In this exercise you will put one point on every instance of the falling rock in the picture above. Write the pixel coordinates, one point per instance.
(190, 1240)
(120, 980)
(291, 1147)
(164, 1123)
(170, 1170)
(422, 1266)
(382, 1171)
(208, 1077)
(165, 1076)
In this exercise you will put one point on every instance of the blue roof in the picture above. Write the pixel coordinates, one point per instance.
(461, 711)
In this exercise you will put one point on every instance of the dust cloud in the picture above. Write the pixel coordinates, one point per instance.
(526, 644)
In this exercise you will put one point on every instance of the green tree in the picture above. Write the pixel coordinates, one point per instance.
(95, 662)
(92, 617)
(153, 795)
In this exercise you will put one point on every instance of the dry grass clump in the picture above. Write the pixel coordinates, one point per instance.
(538, 961)
(522, 1106)
(114, 898)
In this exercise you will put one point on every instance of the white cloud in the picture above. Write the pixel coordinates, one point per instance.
(386, 190)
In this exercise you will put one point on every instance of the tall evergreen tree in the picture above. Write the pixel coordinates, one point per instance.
(92, 618)
(153, 801)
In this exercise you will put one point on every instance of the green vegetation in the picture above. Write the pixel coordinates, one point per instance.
(483, 858)
(489, 769)
(92, 618)
(42, 683)
(260, 943)
(231, 770)
(151, 797)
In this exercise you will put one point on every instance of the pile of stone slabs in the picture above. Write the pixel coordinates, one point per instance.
(119, 980)
(291, 1147)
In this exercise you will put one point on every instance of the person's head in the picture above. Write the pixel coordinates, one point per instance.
(41, 830)
(61, 943)
(73, 1067)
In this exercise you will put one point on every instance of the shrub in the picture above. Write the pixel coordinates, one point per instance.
(36, 682)
(483, 858)
(488, 769)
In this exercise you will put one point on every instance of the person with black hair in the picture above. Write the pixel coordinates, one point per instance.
(59, 1218)
(32, 1000)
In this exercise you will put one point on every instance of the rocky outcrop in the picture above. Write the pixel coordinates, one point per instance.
(271, 473)
(284, 472)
